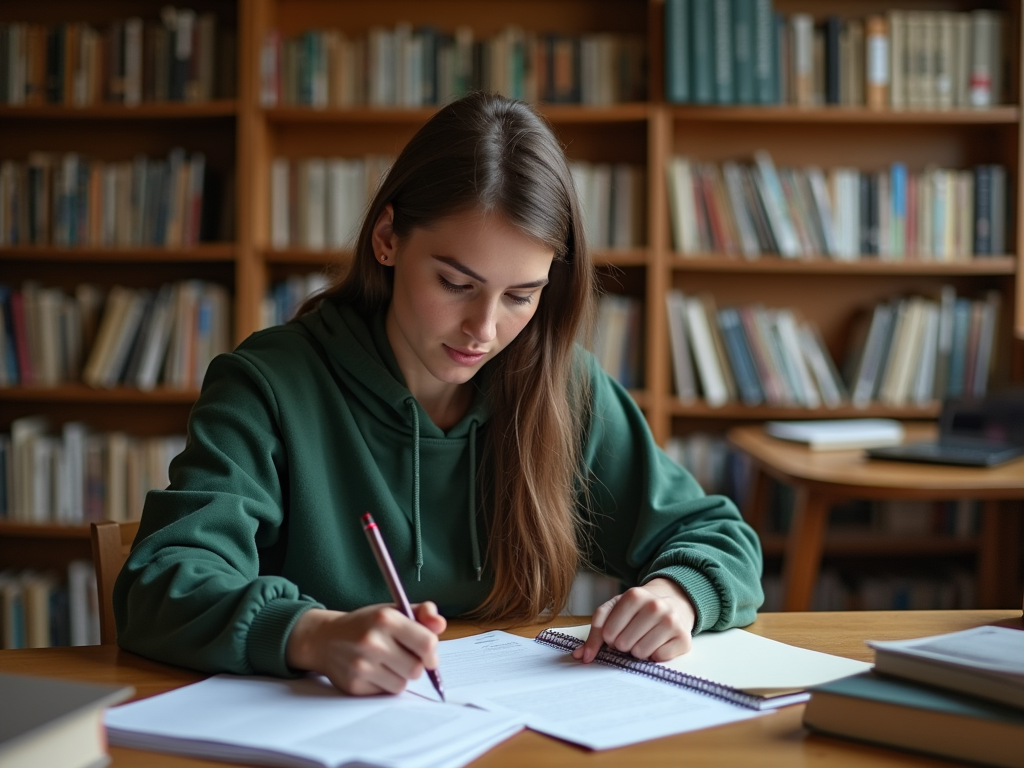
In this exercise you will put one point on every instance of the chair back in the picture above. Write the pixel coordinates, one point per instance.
(111, 543)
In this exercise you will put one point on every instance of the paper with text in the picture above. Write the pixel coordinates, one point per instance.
(593, 705)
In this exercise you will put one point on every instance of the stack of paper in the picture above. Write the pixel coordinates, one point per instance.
(306, 723)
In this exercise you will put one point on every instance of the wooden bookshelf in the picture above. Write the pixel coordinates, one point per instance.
(241, 138)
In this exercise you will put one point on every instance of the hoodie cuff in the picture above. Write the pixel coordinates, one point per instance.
(700, 590)
(268, 636)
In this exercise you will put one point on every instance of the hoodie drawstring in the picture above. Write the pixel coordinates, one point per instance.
(417, 526)
(416, 485)
(474, 544)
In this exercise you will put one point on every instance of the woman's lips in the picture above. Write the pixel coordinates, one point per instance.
(463, 357)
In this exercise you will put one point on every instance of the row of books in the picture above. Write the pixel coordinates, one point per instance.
(79, 475)
(39, 610)
(907, 351)
(128, 336)
(750, 354)
(618, 338)
(318, 203)
(284, 297)
(743, 52)
(71, 200)
(417, 66)
(895, 214)
(180, 56)
(612, 197)
(914, 350)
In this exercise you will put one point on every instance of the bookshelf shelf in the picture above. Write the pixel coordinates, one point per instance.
(1003, 115)
(170, 110)
(762, 412)
(217, 252)
(839, 544)
(80, 393)
(43, 530)
(556, 113)
(989, 265)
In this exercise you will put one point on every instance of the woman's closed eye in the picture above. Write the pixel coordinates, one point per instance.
(458, 288)
(452, 287)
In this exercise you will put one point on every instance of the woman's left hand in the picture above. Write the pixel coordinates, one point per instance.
(654, 622)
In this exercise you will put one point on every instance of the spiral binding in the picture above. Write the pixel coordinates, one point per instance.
(654, 670)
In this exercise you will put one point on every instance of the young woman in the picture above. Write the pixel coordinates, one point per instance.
(439, 385)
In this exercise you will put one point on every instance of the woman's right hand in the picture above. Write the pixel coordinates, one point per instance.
(371, 650)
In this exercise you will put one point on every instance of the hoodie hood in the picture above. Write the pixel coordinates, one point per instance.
(359, 353)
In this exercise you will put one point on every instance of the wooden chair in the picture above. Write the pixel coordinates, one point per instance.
(111, 543)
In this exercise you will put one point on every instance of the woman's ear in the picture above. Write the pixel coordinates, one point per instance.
(385, 242)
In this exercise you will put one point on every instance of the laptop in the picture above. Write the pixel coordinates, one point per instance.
(972, 432)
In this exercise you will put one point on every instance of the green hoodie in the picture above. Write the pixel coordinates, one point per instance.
(306, 426)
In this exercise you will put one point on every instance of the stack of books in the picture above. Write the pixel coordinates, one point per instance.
(959, 695)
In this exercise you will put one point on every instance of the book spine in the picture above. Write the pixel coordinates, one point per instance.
(877, 39)
(677, 51)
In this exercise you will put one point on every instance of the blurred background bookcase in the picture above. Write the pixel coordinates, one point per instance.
(241, 134)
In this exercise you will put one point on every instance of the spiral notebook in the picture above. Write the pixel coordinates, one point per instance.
(734, 665)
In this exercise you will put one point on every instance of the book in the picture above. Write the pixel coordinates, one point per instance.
(984, 661)
(56, 723)
(898, 713)
(734, 665)
(838, 434)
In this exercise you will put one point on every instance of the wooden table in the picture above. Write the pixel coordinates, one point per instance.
(823, 478)
(777, 739)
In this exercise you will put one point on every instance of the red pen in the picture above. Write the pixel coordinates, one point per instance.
(380, 551)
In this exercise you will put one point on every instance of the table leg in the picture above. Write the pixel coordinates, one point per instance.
(757, 500)
(803, 550)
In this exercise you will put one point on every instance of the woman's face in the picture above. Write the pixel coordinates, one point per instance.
(463, 290)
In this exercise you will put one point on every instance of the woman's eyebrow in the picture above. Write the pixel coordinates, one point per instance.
(456, 264)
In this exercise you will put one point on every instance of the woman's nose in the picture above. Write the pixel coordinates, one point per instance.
(480, 324)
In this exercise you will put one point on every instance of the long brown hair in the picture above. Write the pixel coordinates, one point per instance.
(497, 155)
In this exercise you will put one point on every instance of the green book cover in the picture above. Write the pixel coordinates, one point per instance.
(764, 56)
(677, 51)
(743, 50)
(702, 63)
(725, 85)
(903, 693)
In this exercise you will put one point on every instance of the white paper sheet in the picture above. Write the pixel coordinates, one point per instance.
(593, 705)
(306, 722)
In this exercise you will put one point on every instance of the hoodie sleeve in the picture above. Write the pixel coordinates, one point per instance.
(191, 592)
(651, 519)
